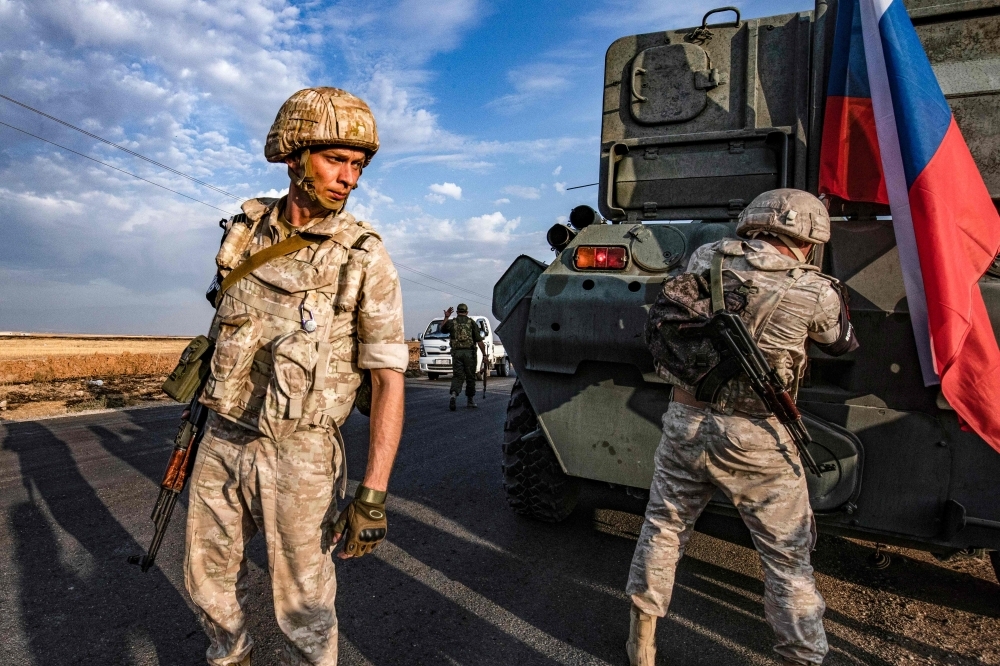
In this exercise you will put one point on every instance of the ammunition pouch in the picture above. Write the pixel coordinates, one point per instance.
(235, 346)
(191, 372)
(363, 397)
(293, 371)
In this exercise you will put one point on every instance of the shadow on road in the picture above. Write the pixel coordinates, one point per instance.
(81, 602)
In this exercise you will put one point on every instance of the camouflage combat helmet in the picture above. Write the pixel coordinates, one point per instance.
(320, 117)
(787, 214)
(463, 308)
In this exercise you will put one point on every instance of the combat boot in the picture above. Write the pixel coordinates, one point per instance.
(471, 404)
(451, 403)
(641, 644)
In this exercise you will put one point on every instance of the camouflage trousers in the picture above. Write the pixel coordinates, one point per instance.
(244, 483)
(463, 362)
(754, 462)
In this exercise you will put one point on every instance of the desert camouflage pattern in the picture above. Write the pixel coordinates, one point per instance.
(292, 338)
(756, 465)
(792, 302)
(792, 213)
(288, 376)
(321, 117)
(244, 483)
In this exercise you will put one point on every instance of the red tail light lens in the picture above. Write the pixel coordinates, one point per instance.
(599, 257)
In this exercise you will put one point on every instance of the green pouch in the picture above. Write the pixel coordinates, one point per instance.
(191, 371)
(363, 398)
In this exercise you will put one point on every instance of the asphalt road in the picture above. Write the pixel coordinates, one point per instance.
(461, 580)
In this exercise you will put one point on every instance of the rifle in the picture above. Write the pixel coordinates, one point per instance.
(186, 442)
(486, 373)
(731, 335)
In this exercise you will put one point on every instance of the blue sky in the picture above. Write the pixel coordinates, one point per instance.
(486, 110)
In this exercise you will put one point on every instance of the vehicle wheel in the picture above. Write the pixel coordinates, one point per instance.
(995, 561)
(503, 367)
(535, 484)
(432, 376)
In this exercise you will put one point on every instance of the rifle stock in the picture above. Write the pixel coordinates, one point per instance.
(175, 477)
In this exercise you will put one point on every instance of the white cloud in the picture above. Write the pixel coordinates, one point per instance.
(492, 228)
(560, 188)
(534, 82)
(500, 202)
(435, 198)
(446, 190)
(523, 192)
(557, 170)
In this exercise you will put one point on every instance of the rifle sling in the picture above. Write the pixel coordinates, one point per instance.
(715, 275)
(258, 259)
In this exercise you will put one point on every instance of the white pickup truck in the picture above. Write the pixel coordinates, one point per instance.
(435, 350)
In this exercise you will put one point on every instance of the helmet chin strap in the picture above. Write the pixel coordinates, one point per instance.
(796, 250)
(789, 243)
(305, 183)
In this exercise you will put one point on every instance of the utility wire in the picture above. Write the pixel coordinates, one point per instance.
(128, 173)
(414, 270)
(575, 187)
(122, 148)
(192, 179)
(441, 291)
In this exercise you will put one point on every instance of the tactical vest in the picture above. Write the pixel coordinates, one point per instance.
(687, 359)
(285, 334)
(462, 335)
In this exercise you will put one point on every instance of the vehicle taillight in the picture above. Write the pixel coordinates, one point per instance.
(598, 257)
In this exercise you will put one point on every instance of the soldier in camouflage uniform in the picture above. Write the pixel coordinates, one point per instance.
(736, 445)
(293, 337)
(465, 336)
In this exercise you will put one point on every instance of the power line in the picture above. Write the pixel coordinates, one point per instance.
(575, 187)
(128, 173)
(441, 291)
(122, 148)
(192, 179)
(414, 270)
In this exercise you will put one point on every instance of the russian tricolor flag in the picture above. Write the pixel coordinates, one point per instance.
(890, 137)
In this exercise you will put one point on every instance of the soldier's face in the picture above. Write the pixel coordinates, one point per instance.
(336, 171)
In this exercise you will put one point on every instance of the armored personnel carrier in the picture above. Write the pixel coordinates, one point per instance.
(696, 123)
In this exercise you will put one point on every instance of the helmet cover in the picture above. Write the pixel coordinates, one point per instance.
(786, 212)
(321, 117)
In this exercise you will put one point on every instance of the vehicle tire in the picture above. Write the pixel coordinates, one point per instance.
(432, 376)
(534, 482)
(503, 367)
(995, 561)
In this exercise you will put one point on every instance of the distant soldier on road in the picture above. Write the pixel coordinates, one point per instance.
(735, 444)
(465, 336)
(309, 302)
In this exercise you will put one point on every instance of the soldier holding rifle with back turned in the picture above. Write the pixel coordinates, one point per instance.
(308, 319)
(730, 336)
(465, 336)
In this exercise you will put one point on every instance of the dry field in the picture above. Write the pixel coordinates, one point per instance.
(49, 375)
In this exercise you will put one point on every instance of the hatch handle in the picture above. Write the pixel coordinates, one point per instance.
(703, 34)
(719, 10)
(615, 154)
(636, 71)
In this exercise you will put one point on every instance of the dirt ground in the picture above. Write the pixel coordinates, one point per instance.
(49, 375)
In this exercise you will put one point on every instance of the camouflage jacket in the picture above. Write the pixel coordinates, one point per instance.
(792, 302)
(464, 332)
(293, 336)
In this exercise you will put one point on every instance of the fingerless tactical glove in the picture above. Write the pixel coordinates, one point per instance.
(363, 523)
